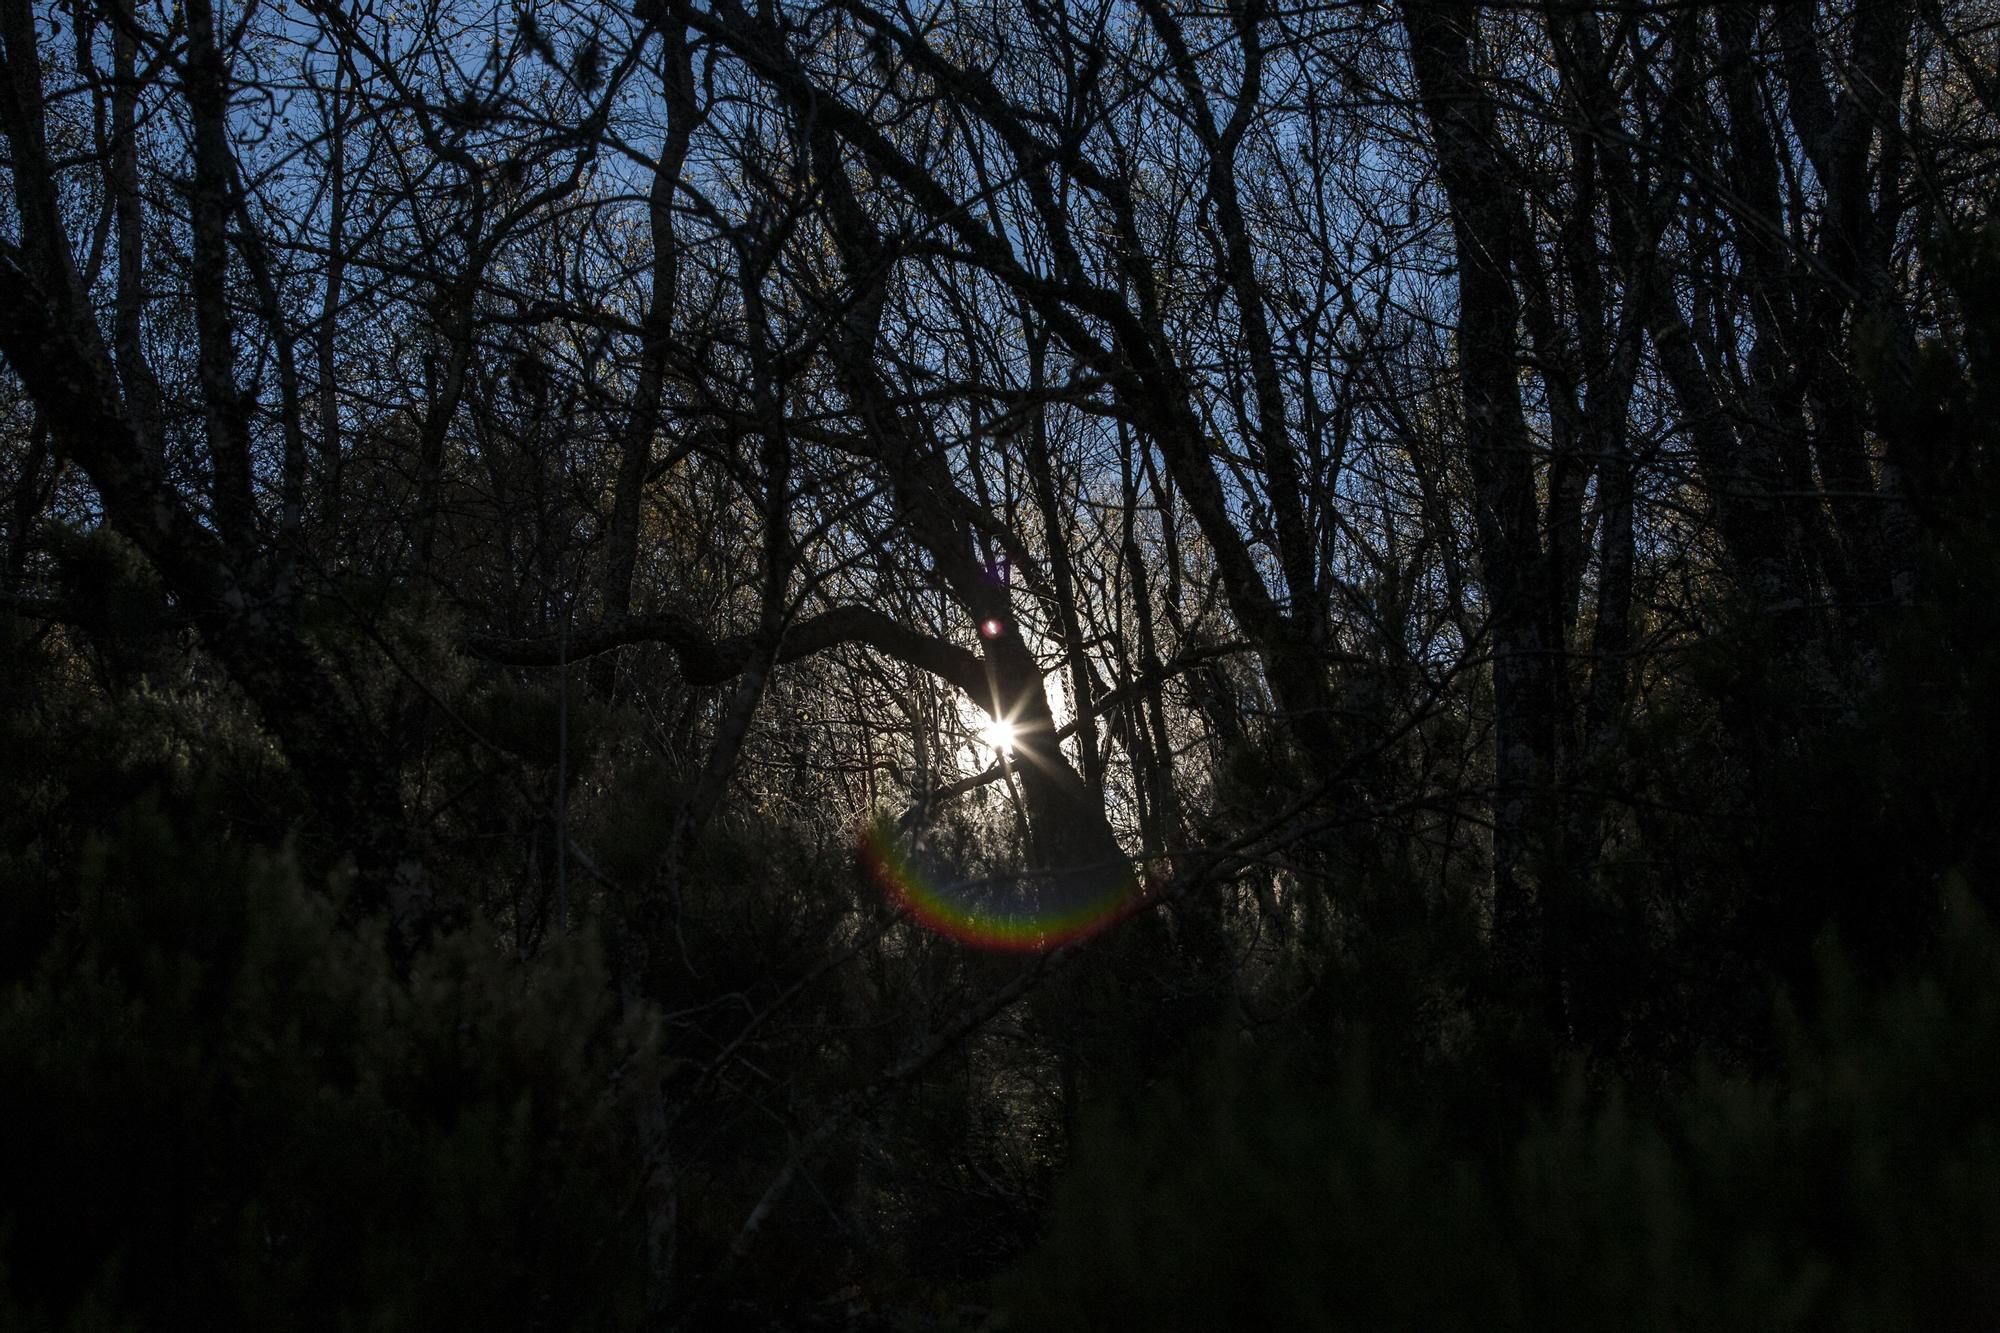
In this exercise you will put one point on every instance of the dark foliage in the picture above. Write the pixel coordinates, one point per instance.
(584, 602)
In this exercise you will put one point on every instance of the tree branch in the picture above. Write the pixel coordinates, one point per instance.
(707, 661)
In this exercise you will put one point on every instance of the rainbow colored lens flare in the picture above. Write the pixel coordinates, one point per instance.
(1010, 914)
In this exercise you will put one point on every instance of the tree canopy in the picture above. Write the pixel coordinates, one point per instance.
(687, 666)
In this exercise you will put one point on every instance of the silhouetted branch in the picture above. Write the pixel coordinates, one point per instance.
(708, 661)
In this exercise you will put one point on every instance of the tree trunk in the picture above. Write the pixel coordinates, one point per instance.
(1485, 203)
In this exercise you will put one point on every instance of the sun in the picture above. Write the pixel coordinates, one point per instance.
(999, 734)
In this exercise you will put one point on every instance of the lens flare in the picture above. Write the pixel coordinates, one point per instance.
(1006, 914)
(999, 735)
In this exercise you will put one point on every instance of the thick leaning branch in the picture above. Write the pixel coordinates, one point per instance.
(709, 661)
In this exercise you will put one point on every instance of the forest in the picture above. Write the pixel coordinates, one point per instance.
(1000, 664)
